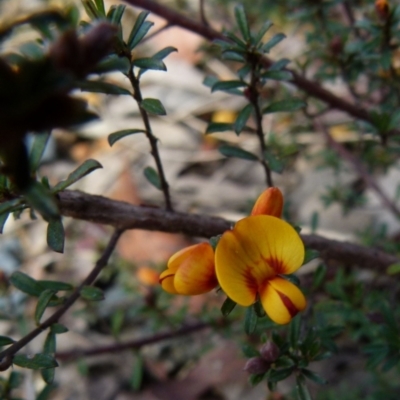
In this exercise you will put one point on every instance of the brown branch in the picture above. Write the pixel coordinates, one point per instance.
(359, 167)
(123, 215)
(72, 354)
(310, 87)
(6, 355)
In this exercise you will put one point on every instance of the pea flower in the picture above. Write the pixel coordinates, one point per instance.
(270, 202)
(190, 271)
(250, 259)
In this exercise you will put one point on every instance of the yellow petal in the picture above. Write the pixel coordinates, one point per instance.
(167, 281)
(276, 243)
(179, 257)
(270, 202)
(196, 274)
(233, 269)
(281, 300)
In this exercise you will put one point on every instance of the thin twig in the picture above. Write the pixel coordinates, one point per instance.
(7, 354)
(137, 95)
(358, 167)
(123, 215)
(72, 354)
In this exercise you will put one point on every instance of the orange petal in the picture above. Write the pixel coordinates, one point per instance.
(270, 202)
(167, 281)
(281, 300)
(196, 273)
(233, 269)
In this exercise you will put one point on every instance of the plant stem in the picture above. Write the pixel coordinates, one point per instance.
(6, 355)
(137, 95)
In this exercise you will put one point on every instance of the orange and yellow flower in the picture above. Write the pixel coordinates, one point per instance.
(270, 202)
(190, 271)
(250, 259)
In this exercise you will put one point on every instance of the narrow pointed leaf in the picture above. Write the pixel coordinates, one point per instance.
(55, 285)
(285, 106)
(41, 199)
(233, 56)
(86, 168)
(42, 304)
(112, 63)
(273, 42)
(102, 87)
(227, 307)
(152, 176)
(91, 9)
(313, 376)
(55, 235)
(241, 20)
(214, 127)
(5, 341)
(38, 361)
(278, 75)
(227, 85)
(139, 30)
(48, 375)
(278, 65)
(9, 205)
(280, 375)
(250, 321)
(230, 151)
(46, 392)
(153, 106)
(242, 118)
(58, 328)
(38, 147)
(115, 13)
(263, 30)
(115, 136)
(150, 63)
(49, 346)
(302, 389)
(274, 163)
(160, 55)
(100, 7)
(3, 220)
(92, 293)
(26, 284)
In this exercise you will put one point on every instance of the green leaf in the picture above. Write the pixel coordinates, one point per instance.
(302, 389)
(241, 20)
(272, 42)
(115, 13)
(160, 55)
(256, 379)
(46, 392)
(55, 285)
(313, 376)
(294, 331)
(149, 63)
(91, 9)
(3, 220)
(139, 30)
(263, 30)
(26, 284)
(9, 205)
(293, 104)
(42, 304)
(258, 309)
(233, 56)
(242, 118)
(231, 151)
(86, 168)
(137, 373)
(38, 361)
(210, 80)
(112, 63)
(152, 176)
(92, 293)
(278, 65)
(227, 306)
(319, 276)
(250, 321)
(15, 379)
(100, 7)
(393, 269)
(48, 375)
(310, 255)
(153, 106)
(5, 341)
(227, 85)
(102, 87)
(278, 75)
(115, 136)
(214, 127)
(117, 321)
(38, 147)
(58, 328)
(41, 199)
(49, 346)
(280, 374)
(249, 351)
(55, 235)
(274, 163)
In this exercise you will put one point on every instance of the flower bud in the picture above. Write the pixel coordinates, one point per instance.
(382, 8)
(270, 202)
(270, 352)
(257, 365)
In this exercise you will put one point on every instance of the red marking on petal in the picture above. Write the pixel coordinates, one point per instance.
(249, 280)
(288, 304)
(276, 264)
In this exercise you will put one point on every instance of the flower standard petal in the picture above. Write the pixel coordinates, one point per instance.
(196, 273)
(270, 202)
(167, 281)
(281, 300)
